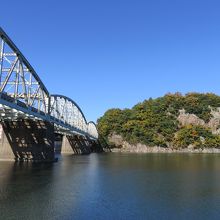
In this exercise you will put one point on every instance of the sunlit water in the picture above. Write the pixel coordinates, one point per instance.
(113, 186)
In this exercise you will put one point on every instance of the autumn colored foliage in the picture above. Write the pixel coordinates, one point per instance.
(154, 121)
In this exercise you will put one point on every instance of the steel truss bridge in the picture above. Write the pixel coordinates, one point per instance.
(23, 96)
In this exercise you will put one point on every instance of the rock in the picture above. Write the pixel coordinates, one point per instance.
(189, 119)
(116, 140)
(191, 147)
(125, 147)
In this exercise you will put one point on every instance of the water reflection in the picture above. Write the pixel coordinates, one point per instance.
(113, 186)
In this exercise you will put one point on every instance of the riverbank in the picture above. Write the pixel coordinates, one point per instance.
(144, 149)
(118, 144)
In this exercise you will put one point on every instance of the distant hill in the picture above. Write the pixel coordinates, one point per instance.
(174, 121)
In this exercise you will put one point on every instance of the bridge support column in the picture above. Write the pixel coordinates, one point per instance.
(66, 147)
(75, 144)
(58, 143)
(6, 152)
(28, 140)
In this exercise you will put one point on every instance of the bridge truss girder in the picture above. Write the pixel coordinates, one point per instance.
(18, 79)
(23, 95)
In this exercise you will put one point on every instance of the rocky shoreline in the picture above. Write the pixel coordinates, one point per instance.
(163, 150)
(119, 145)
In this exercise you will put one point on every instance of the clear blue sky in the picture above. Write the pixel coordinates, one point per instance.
(115, 53)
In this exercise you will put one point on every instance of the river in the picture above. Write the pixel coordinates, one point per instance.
(113, 186)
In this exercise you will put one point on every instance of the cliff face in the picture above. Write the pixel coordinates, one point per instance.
(214, 122)
(185, 119)
(189, 119)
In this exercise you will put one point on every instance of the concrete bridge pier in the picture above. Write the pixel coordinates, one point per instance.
(75, 144)
(27, 140)
(68, 147)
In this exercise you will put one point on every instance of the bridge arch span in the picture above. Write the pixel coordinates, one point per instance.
(68, 112)
(24, 96)
(19, 83)
(92, 129)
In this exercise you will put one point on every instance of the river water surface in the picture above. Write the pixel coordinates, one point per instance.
(113, 186)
